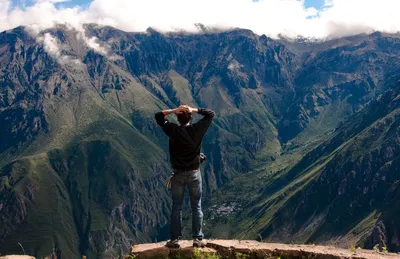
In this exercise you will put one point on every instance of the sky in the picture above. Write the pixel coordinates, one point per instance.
(290, 18)
(314, 3)
(307, 3)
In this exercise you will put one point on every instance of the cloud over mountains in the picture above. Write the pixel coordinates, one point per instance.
(271, 17)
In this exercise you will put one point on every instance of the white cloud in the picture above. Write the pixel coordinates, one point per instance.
(103, 48)
(272, 17)
(4, 6)
(51, 45)
(54, 48)
(93, 44)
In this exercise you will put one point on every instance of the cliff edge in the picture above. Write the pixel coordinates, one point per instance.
(253, 249)
(17, 257)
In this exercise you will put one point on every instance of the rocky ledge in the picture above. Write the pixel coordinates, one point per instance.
(252, 249)
(17, 257)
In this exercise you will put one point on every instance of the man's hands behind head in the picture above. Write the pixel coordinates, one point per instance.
(181, 109)
(186, 108)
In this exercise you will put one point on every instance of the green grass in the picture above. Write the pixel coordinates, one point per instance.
(55, 223)
(262, 203)
(182, 89)
(92, 157)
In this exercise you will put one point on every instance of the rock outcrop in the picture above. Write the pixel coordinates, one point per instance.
(17, 257)
(252, 249)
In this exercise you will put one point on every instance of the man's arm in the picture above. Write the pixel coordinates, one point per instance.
(160, 116)
(205, 122)
(166, 126)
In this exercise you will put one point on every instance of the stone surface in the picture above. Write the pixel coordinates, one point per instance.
(160, 250)
(17, 257)
(230, 248)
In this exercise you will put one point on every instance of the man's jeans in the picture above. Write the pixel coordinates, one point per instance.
(193, 180)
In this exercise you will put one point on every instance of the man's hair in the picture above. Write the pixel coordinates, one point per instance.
(184, 117)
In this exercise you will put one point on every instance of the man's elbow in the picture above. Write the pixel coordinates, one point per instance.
(211, 114)
(208, 113)
(159, 117)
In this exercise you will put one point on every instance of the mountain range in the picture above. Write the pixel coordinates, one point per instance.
(304, 147)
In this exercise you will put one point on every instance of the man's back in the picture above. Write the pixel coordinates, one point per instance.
(185, 141)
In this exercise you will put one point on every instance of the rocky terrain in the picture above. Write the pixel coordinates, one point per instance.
(253, 249)
(304, 147)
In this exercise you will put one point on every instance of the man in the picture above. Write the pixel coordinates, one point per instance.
(184, 148)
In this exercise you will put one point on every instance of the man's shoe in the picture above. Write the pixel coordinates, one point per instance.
(199, 242)
(173, 243)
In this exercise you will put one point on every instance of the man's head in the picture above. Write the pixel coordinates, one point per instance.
(184, 117)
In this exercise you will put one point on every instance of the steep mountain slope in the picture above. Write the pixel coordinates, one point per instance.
(345, 191)
(338, 78)
(66, 187)
(354, 189)
(82, 162)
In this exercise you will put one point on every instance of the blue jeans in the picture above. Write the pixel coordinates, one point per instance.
(193, 180)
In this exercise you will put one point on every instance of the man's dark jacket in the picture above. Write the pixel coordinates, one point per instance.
(185, 141)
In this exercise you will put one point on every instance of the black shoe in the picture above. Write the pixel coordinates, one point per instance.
(199, 242)
(173, 243)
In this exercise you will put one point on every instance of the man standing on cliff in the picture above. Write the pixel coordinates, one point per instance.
(184, 148)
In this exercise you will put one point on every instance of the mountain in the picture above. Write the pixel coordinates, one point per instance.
(353, 183)
(82, 163)
(343, 192)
